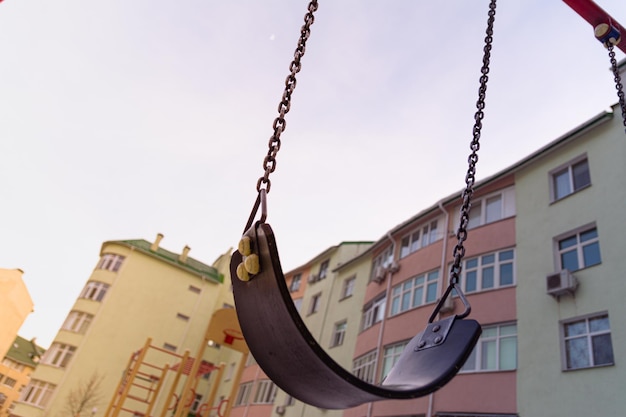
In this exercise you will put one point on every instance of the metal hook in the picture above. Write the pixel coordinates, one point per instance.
(261, 200)
(452, 286)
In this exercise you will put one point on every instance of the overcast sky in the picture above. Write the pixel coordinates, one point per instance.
(126, 118)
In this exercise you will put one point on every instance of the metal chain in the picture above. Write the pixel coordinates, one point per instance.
(269, 163)
(618, 83)
(470, 178)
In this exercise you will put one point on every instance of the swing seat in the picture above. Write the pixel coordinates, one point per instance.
(291, 357)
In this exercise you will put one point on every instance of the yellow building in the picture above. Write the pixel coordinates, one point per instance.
(137, 291)
(15, 305)
(15, 371)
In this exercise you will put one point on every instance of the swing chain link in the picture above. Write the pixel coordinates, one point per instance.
(279, 125)
(618, 83)
(470, 178)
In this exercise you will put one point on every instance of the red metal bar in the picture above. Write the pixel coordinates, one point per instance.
(595, 15)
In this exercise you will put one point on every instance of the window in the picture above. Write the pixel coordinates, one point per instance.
(94, 291)
(243, 394)
(364, 367)
(348, 287)
(570, 179)
(414, 292)
(170, 347)
(196, 403)
(587, 342)
(110, 262)
(195, 290)
(491, 208)
(265, 392)
(314, 304)
(324, 269)
(417, 239)
(9, 382)
(38, 393)
(339, 333)
(298, 303)
(295, 283)
(580, 250)
(59, 355)
(493, 270)
(373, 313)
(496, 350)
(391, 356)
(77, 321)
(182, 317)
(382, 261)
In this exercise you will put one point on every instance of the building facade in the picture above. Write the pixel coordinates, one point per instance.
(541, 271)
(15, 306)
(15, 370)
(137, 291)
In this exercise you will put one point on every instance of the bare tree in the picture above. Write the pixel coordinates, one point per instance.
(86, 396)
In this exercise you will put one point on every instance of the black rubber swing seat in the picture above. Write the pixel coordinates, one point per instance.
(291, 357)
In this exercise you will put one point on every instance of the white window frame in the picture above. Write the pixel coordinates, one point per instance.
(314, 303)
(423, 235)
(77, 322)
(579, 246)
(59, 355)
(38, 393)
(481, 266)
(391, 355)
(94, 290)
(295, 283)
(364, 367)
(589, 337)
(374, 312)
(110, 262)
(477, 354)
(383, 260)
(9, 382)
(265, 392)
(568, 169)
(479, 213)
(243, 394)
(407, 290)
(339, 333)
(347, 288)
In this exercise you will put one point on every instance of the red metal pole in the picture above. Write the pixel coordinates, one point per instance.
(596, 16)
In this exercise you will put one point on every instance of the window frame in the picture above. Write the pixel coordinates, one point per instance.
(477, 352)
(364, 367)
(374, 312)
(296, 281)
(479, 208)
(347, 287)
(59, 355)
(589, 335)
(391, 353)
(569, 167)
(77, 322)
(265, 392)
(339, 333)
(110, 262)
(38, 393)
(94, 291)
(314, 303)
(420, 237)
(323, 271)
(579, 246)
(481, 267)
(399, 291)
(243, 394)
(383, 259)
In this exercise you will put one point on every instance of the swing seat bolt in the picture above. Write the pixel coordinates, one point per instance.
(438, 339)
(245, 247)
(436, 328)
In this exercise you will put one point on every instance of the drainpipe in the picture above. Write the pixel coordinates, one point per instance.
(384, 320)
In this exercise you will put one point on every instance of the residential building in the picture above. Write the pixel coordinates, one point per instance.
(328, 291)
(15, 371)
(137, 291)
(15, 306)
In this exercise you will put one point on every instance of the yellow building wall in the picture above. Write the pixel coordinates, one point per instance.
(15, 305)
(147, 298)
(17, 372)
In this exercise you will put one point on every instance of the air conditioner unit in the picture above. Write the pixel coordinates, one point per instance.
(379, 274)
(448, 305)
(313, 278)
(280, 410)
(561, 283)
(394, 267)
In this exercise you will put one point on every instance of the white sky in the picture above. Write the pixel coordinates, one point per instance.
(122, 119)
